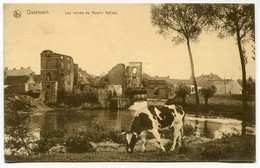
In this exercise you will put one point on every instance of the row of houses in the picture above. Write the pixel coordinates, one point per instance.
(224, 86)
(21, 81)
(60, 73)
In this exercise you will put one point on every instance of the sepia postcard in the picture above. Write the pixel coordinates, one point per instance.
(144, 82)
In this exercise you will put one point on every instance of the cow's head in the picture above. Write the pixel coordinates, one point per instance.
(131, 139)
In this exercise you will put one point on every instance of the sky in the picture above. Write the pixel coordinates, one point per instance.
(97, 42)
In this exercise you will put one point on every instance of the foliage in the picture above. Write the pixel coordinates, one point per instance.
(234, 148)
(20, 103)
(250, 87)
(189, 130)
(187, 20)
(76, 99)
(230, 148)
(208, 92)
(19, 139)
(79, 144)
(183, 22)
(235, 18)
(183, 91)
(98, 131)
(50, 137)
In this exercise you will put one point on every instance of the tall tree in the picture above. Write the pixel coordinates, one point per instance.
(237, 20)
(184, 23)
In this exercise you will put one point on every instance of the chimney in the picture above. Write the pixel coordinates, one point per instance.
(21, 67)
(6, 68)
(14, 68)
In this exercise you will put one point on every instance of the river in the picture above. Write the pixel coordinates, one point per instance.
(75, 121)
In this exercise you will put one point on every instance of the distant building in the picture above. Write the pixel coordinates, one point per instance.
(116, 80)
(20, 81)
(20, 84)
(57, 73)
(157, 92)
(76, 76)
(224, 86)
(227, 86)
(134, 75)
(210, 77)
(18, 72)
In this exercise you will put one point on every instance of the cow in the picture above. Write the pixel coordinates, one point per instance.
(154, 119)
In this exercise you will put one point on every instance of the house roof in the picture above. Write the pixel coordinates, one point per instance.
(19, 72)
(209, 77)
(37, 78)
(16, 80)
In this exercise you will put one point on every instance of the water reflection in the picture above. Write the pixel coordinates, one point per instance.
(214, 127)
(77, 121)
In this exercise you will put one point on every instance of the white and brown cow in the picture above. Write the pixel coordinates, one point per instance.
(153, 119)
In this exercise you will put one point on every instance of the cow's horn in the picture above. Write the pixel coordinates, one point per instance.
(135, 133)
(123, 133)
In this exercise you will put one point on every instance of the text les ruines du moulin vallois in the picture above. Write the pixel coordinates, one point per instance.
(91, 13)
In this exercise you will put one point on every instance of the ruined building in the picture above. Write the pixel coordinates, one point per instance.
(116, 80)
(58, 74)
(134, 75)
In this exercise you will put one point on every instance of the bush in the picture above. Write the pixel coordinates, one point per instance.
(74, 99)
(18, 131)
(231, 147)
(50, 138)
(189, 130)
(208, 92)
(98, 131)
(79, 144)
(183, 91)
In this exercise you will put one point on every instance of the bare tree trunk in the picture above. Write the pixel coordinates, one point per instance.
(244, 96)
(193, 75)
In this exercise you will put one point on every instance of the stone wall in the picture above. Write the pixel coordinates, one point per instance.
(50, 91)
(57, 68)
(134, 75)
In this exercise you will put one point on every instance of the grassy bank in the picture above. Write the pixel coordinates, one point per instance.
(229, 148)
(220, 105)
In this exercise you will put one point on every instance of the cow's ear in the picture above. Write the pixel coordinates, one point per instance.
(123, 133)
(135, 134)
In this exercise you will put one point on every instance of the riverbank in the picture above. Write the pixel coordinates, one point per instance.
(24, 103)
(229, 106)
(229, 148)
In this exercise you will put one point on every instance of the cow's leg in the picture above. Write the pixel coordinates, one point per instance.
(143, 139)
(158, 138)
(176, 135)
(181, 138)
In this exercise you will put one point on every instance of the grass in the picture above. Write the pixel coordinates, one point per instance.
(219, 105)
(230, 148)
